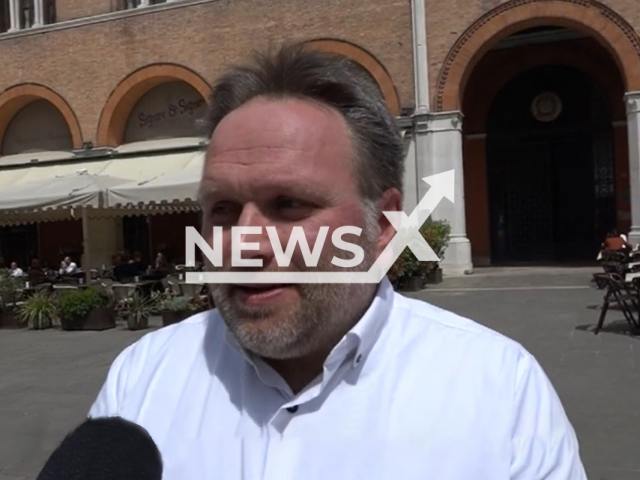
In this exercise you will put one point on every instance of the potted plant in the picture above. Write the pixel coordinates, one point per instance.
(410, 274)
(38, 312)
(86, 309)
(436, 233)
(412, 271)
(174, 309)
(396, 272)
(9, 293)
(136, 310)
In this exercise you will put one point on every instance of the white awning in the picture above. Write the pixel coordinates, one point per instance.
(145, 167)
(77, 190)
(175, 186)
(42, 191)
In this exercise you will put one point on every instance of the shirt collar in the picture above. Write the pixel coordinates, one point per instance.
(360, 340)
(356, 344)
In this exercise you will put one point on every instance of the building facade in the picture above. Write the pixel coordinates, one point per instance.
(532, 103)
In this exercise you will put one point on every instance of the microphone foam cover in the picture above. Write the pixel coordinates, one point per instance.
(105, 449)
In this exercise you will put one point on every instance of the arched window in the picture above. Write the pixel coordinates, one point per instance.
(170, 110)
(39, 126)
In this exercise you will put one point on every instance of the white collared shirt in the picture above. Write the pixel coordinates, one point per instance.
(71, 268)
(413, 392)
(16, 272)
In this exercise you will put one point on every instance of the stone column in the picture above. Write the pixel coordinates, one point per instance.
(38, 13)
(102, 241)
(144, 3)
(633, 133)
(439, 137)
(410, 183)
(420, 56)
(14, 13)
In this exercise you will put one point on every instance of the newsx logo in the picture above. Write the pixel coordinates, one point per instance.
(408, 235)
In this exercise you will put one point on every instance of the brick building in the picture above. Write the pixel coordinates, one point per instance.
(533, 103)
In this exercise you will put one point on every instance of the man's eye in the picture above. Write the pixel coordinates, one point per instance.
(289, 203)
(223, 210)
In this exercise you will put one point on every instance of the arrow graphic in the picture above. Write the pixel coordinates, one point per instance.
(408, 235)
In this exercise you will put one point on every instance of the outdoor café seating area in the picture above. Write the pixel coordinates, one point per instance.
(620, 282)
(96, 300)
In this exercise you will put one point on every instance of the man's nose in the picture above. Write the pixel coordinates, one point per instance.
(251, 216)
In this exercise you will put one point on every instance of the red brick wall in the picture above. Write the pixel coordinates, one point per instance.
(84, 64)
(73, 9)
(447, 20)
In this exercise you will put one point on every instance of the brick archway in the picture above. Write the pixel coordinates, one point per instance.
(480, 94)
(17, 97)
(116, 111)
(367, 61)
(587, 16)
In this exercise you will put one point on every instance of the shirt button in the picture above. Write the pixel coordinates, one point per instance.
(293, 409)
(359, 358)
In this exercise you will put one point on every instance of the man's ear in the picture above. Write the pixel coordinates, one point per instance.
(391, 201)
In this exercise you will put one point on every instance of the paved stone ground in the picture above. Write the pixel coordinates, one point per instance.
(49, 379)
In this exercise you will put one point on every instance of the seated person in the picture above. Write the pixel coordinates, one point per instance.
(160, 268)
(122, 270)
(137, 265)
(36, 274)
(614, 242)
(67, 267)
(15, 271)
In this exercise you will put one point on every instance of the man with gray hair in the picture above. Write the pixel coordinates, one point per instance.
(327, 381)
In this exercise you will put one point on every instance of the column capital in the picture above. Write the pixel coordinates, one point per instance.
(425, 122)
(421, 121)
(632, 102)
(445, 121)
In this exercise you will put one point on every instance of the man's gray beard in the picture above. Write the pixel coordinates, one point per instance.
(323, 311)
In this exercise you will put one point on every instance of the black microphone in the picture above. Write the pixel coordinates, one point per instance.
(105, 449)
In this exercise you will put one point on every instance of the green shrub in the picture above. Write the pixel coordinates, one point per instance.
(9, 290)
(436, 233)
(39, 311)
(176, 304)
(182, 303)
(75, 306)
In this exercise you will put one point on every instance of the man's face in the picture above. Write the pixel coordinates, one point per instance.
(285, 163)
(14, 265)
